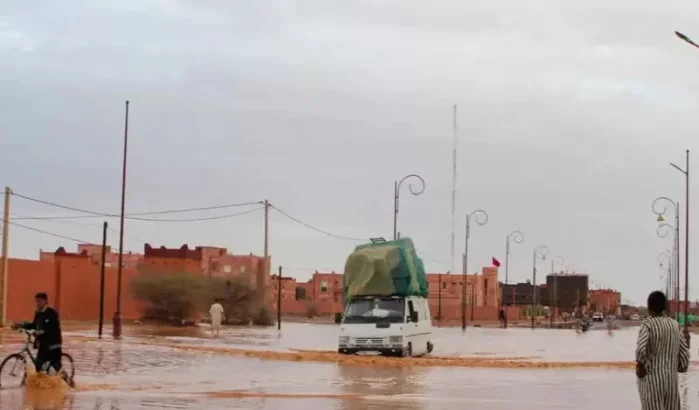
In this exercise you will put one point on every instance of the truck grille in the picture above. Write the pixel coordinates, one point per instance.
(363, 341)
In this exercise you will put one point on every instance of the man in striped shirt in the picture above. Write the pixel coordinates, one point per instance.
(660, 354)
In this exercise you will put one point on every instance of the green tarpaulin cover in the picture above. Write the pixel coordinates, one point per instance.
(385, 268)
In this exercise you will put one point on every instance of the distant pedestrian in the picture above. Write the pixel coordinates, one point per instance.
(660, 354)
(216, 313)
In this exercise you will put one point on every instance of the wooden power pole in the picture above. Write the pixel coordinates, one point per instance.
(261, 276)
(5, 252)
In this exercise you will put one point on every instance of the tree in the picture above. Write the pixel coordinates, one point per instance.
(171, 297)
(177, 297)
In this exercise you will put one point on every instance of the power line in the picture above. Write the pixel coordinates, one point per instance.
(309, 226)
(79, 241)
(133, 215)
(19, 216)
(49, 233)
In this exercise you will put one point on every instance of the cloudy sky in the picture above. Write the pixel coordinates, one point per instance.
(568, 117)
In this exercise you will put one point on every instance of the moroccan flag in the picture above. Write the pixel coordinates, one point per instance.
(496, 262)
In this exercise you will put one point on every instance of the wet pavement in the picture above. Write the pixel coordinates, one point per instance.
(141, 373)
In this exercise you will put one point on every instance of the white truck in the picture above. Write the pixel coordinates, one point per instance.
(389, 325)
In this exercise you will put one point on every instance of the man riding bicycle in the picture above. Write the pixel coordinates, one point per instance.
(48, 334)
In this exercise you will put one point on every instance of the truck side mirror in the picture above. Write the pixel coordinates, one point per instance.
(338, 317)
(413, 317)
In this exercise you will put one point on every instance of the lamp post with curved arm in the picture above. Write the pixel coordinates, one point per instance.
(517, 237)
(659, 208)
(481, 219)
(396, 197)
(674, 290)
(554, 299)
(667, 270)
(542, 250)
(685, 172)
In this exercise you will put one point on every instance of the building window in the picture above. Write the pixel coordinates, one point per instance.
(242, 269)
(227, 268)
(444, 285)
(323, 285)
(300, 293)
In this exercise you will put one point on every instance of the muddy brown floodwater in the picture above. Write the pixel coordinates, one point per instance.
(248, 368)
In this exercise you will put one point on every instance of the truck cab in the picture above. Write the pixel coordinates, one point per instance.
(389, 325)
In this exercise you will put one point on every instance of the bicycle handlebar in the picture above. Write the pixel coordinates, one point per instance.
(28, 332)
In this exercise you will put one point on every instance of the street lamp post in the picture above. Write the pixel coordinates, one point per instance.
(660, 209)
(517, 237)
(543, 250)
(685, 171)
(670, 267)
(396, 195)
(481, 219)
(554, 299)
(674, 292)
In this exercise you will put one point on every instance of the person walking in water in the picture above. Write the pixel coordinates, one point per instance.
(216, 313)
(661, 353)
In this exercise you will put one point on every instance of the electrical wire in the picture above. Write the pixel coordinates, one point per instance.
(79, 241)
(48, 233)
(19, 216)
(309, 226)
(134, 215)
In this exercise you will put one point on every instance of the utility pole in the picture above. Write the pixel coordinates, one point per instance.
(102, 268)
(116, 320)
(262, 275)
(439, 300)
(464, 276)
(533, 291)
(279, 301)
(553, 295)
(5, 252)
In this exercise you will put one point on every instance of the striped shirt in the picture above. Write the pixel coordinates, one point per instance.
(663, 352)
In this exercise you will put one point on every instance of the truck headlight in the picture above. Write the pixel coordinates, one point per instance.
(395, 339)
(344, 340)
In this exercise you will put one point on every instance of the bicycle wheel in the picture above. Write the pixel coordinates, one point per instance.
(13, 371)
(68, 365)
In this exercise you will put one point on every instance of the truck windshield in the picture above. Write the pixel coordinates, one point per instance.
(376, 310)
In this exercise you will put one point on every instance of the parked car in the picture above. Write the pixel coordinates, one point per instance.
(598, 317)
(635, 316)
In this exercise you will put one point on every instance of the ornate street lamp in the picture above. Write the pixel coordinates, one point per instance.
(659, 207)
(396, 195)
(554, 299)
(517, 237)
(542, 250)
(481, 219)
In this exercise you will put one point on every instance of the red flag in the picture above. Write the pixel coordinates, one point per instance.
(496, 262)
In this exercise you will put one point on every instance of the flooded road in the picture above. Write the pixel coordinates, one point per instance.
(165, 368)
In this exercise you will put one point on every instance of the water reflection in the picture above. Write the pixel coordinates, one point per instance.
(391, 387)
(46, 399)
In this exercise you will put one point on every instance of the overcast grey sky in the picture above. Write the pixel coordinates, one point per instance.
(569, 115)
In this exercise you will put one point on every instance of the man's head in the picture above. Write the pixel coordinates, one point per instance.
(42, 300)
(657, 303)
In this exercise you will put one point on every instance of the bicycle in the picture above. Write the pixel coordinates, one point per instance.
(17, 362)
